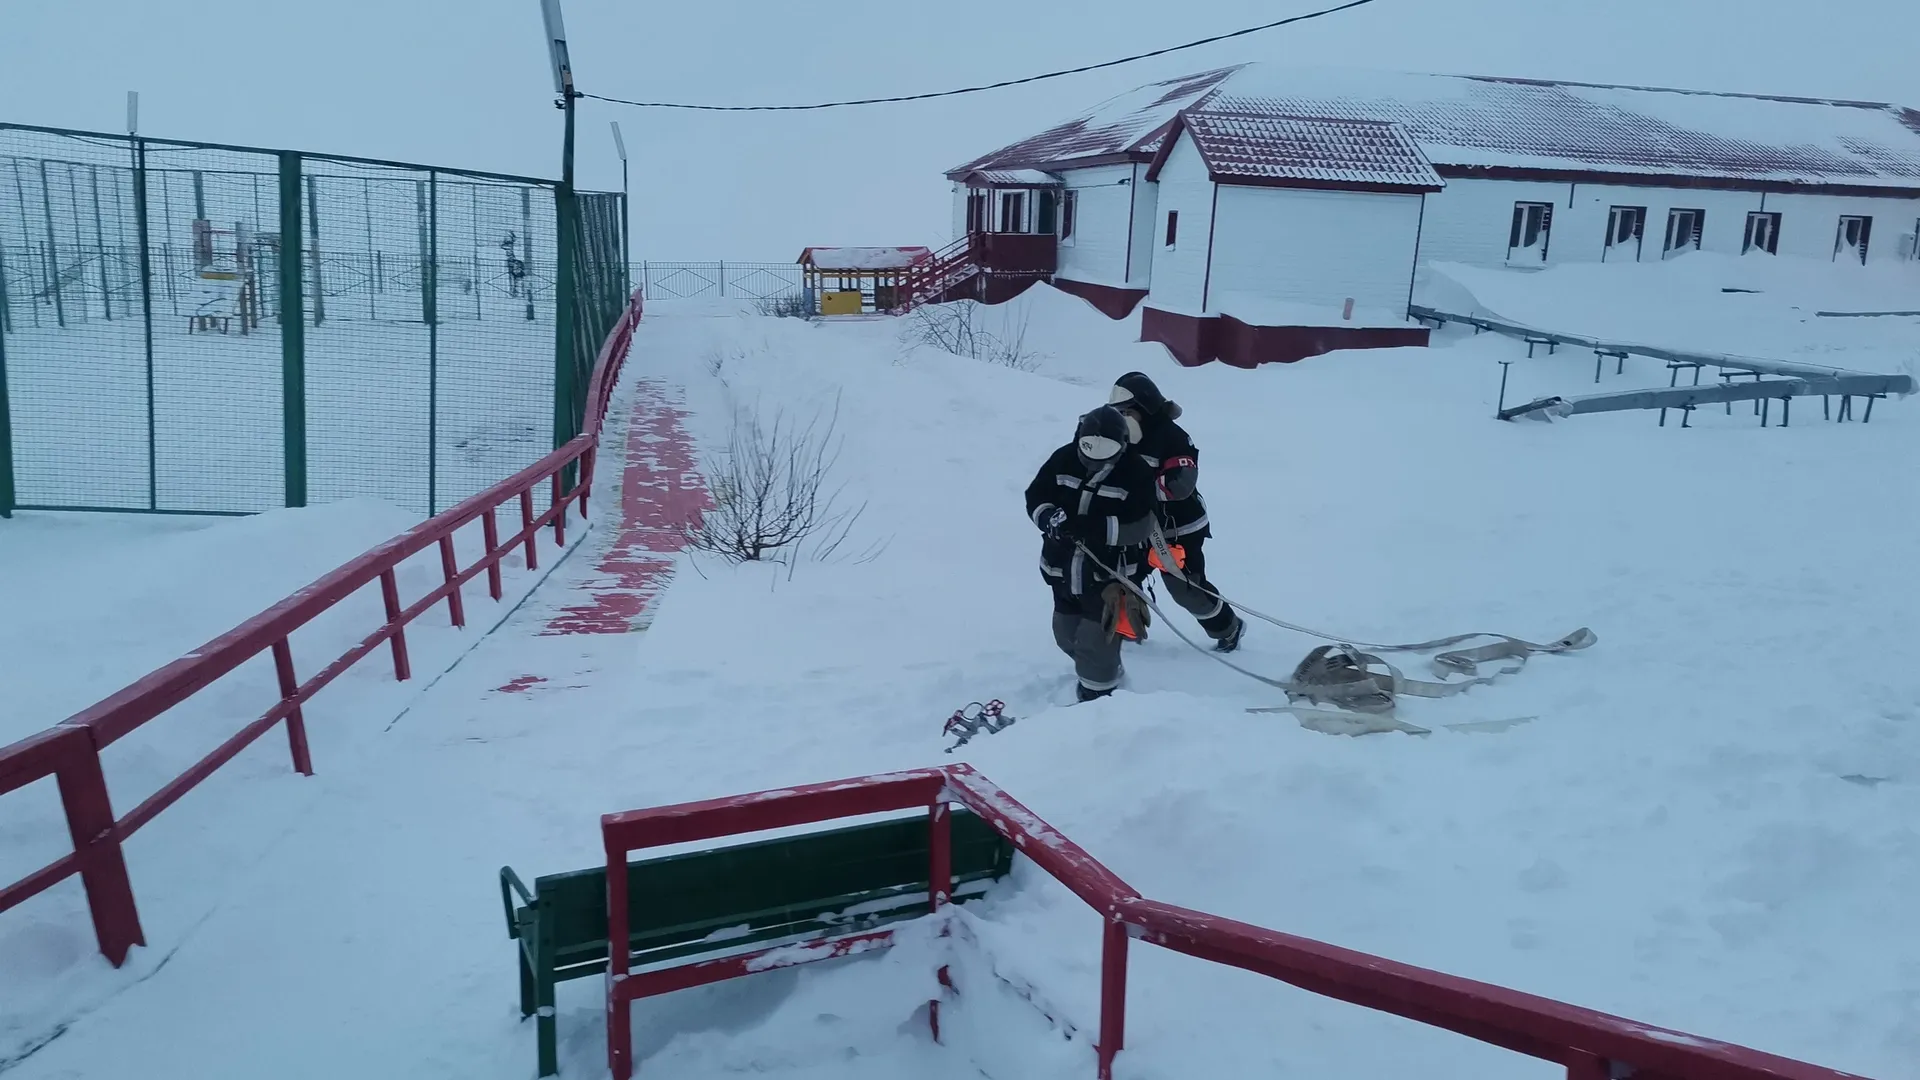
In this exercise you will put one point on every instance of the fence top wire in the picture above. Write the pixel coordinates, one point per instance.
(154, 145)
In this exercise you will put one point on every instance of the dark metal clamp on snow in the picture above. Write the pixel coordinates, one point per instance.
(974, 719)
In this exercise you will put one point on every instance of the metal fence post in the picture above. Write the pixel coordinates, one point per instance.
(141, 230)
(6, 420)
(293, 333)
(567, 215)
(430, 309)
(313, 246)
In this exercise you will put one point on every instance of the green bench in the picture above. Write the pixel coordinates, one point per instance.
(789, 889)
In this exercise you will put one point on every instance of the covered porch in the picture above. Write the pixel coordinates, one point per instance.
(1015, 218)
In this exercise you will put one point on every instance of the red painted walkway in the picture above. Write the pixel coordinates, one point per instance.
(659, 490)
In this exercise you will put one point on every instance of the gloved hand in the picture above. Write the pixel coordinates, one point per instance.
(1055, 525)
(1091, 531)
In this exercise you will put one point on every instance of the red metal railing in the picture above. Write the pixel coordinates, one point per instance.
(1590, 1045)
(946, 268)
(70, 751)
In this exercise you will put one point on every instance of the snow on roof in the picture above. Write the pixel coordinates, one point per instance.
(1282, 149)
(864, 258)
(1470, 122)
(1014, 177)
(1112, 128)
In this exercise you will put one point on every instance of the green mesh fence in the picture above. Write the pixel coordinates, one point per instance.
(196, 328)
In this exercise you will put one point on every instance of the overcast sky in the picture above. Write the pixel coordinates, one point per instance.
(465, 82)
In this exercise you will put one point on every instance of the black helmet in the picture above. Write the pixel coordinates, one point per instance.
(1135, 390)
(1101, 436)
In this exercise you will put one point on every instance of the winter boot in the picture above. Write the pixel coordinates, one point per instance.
(1230, 640)
(1086, 693)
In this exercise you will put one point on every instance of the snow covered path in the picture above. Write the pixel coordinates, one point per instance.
(1707, 827)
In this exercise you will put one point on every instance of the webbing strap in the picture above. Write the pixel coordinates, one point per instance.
(1342, 674)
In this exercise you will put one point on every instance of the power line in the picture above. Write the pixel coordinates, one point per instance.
(985, 86)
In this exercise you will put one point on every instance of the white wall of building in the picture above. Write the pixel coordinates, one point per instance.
(960, 193)
(1146, 213)
(1314, 248)
(1178, 273)
(1471, 221)
(1097, 250)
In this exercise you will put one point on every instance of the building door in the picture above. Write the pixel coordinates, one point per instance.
(1625, 225)
(1047, 213)
(1013, 211)
(1850, 242)
(976, 211)
(1763, 233)
(1683, 231)
(1527, 240)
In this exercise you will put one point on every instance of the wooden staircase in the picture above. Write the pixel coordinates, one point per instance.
(940, 277)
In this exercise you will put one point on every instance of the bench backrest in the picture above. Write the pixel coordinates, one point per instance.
(836, 881)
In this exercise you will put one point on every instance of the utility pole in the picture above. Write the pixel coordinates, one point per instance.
(626, 201)
(568, 370)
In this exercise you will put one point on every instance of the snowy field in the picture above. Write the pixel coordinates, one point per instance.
(1705, 821)
(373, 400)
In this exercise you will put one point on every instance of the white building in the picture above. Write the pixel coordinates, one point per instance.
(1267, 213)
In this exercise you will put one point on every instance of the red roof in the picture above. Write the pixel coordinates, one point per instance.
(1296, 151)
(1469, 124)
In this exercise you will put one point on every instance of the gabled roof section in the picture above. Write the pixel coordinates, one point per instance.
(1116, 130)
(1483, 125)
(1011, 178)
(1302, 151)
(863, 258)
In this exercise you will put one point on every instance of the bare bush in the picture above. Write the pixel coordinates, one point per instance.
(784, 306)
(956, 328)
(771, 496)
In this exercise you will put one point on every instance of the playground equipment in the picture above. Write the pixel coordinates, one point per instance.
(226, 283)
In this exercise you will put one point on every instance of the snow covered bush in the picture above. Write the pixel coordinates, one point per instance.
(771, 496)
(957, 329)
(784, 306)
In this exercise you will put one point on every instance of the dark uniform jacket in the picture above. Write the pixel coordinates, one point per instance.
(1116, 500)
(1168, 452)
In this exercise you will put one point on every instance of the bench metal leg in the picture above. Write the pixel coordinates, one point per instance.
(544, 1022)
(528, 990)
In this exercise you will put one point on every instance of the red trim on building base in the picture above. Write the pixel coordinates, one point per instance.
(1109, 300)
(1198, 339)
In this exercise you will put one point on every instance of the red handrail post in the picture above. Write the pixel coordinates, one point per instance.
(490, 529)
(1113, 993)
(586, 479)
(939, 885)
(526, 526)
(296, 724)
(456, 605)
(103, 865)
(619, 1011)
(390, 593)
(559, 511)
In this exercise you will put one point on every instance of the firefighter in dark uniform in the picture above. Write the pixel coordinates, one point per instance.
(1093, 498)
(1167, 451)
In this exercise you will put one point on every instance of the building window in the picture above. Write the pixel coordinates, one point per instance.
(1069, 201)
(1013, 212)
(1763, 233)
(976, 211)
(1527, 241)
(1851, 240)
(1625, 224)
(1048, 213)
(1683, 231)
(1173, 226)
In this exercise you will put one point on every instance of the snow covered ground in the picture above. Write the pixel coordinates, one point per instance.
(1706, 822)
